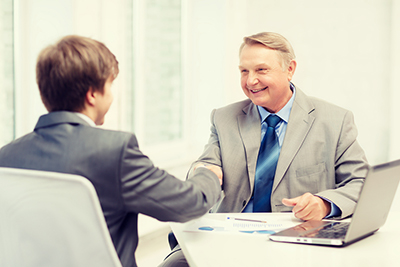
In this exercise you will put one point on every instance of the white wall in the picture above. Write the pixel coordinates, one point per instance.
(394, 96)
(37, 24)
(206, 57)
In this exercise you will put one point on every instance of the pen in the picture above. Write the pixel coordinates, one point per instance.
(247, 220)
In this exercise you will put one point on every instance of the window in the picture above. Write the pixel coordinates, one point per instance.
(157, 66)
(7, 131)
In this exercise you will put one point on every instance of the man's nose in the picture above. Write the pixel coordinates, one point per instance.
(252, 79)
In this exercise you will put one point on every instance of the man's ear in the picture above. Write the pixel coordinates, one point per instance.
(91, 97)
(291, 69)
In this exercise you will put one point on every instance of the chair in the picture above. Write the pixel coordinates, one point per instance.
(52, 219)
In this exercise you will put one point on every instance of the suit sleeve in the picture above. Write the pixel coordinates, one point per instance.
(149, 190)
(351, 168)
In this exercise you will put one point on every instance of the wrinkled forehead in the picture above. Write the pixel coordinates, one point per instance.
(258, 55)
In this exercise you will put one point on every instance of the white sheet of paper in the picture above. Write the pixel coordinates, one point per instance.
(241, 224)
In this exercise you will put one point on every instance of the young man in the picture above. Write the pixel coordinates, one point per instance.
(74, 78)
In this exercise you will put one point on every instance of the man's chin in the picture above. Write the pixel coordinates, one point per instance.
(262, 104)
(258, 102)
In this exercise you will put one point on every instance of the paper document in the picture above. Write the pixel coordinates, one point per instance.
(238, 225)
(241, 224)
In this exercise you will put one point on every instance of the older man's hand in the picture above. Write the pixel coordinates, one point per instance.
(215, 169)
(308, 207)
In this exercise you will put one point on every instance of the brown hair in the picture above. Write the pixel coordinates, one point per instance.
(273, 41)
(65, 72)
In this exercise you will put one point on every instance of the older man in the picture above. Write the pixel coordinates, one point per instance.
(281, 150)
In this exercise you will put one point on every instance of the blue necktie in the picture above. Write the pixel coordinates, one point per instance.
(266, 165)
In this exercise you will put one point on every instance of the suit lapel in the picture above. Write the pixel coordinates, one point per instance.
(250, 132)
(300, 123)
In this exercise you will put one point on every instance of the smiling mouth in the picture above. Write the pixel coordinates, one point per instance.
(258, 90)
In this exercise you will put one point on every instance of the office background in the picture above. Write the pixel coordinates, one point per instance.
(178, 61)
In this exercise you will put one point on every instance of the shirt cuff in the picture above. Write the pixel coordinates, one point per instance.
(335, 211)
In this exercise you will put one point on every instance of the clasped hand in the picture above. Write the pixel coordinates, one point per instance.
(308, 207)
(215, 169)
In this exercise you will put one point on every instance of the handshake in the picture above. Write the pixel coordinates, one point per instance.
(215, 169)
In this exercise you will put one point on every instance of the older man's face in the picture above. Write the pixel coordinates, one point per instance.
(263, 79)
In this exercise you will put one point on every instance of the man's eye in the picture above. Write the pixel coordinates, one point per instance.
(244, 71)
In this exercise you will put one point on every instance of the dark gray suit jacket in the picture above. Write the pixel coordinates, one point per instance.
(126, 181)
(320, 154)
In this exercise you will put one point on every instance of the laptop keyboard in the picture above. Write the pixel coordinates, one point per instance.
(333, 230)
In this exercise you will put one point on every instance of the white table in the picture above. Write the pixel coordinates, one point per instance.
(238, 249)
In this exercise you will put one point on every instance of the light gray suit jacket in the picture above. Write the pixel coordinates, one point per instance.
(319, 154)
(126, 181)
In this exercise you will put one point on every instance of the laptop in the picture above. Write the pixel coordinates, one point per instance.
(370, 214)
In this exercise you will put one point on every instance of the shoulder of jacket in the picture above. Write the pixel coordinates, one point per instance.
(321, 104)
(235, 108)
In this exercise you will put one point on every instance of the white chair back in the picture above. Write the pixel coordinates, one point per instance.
(52, 219)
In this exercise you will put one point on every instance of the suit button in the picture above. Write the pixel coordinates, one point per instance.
(244, 203)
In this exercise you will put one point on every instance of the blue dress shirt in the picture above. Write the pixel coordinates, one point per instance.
(280, 130)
